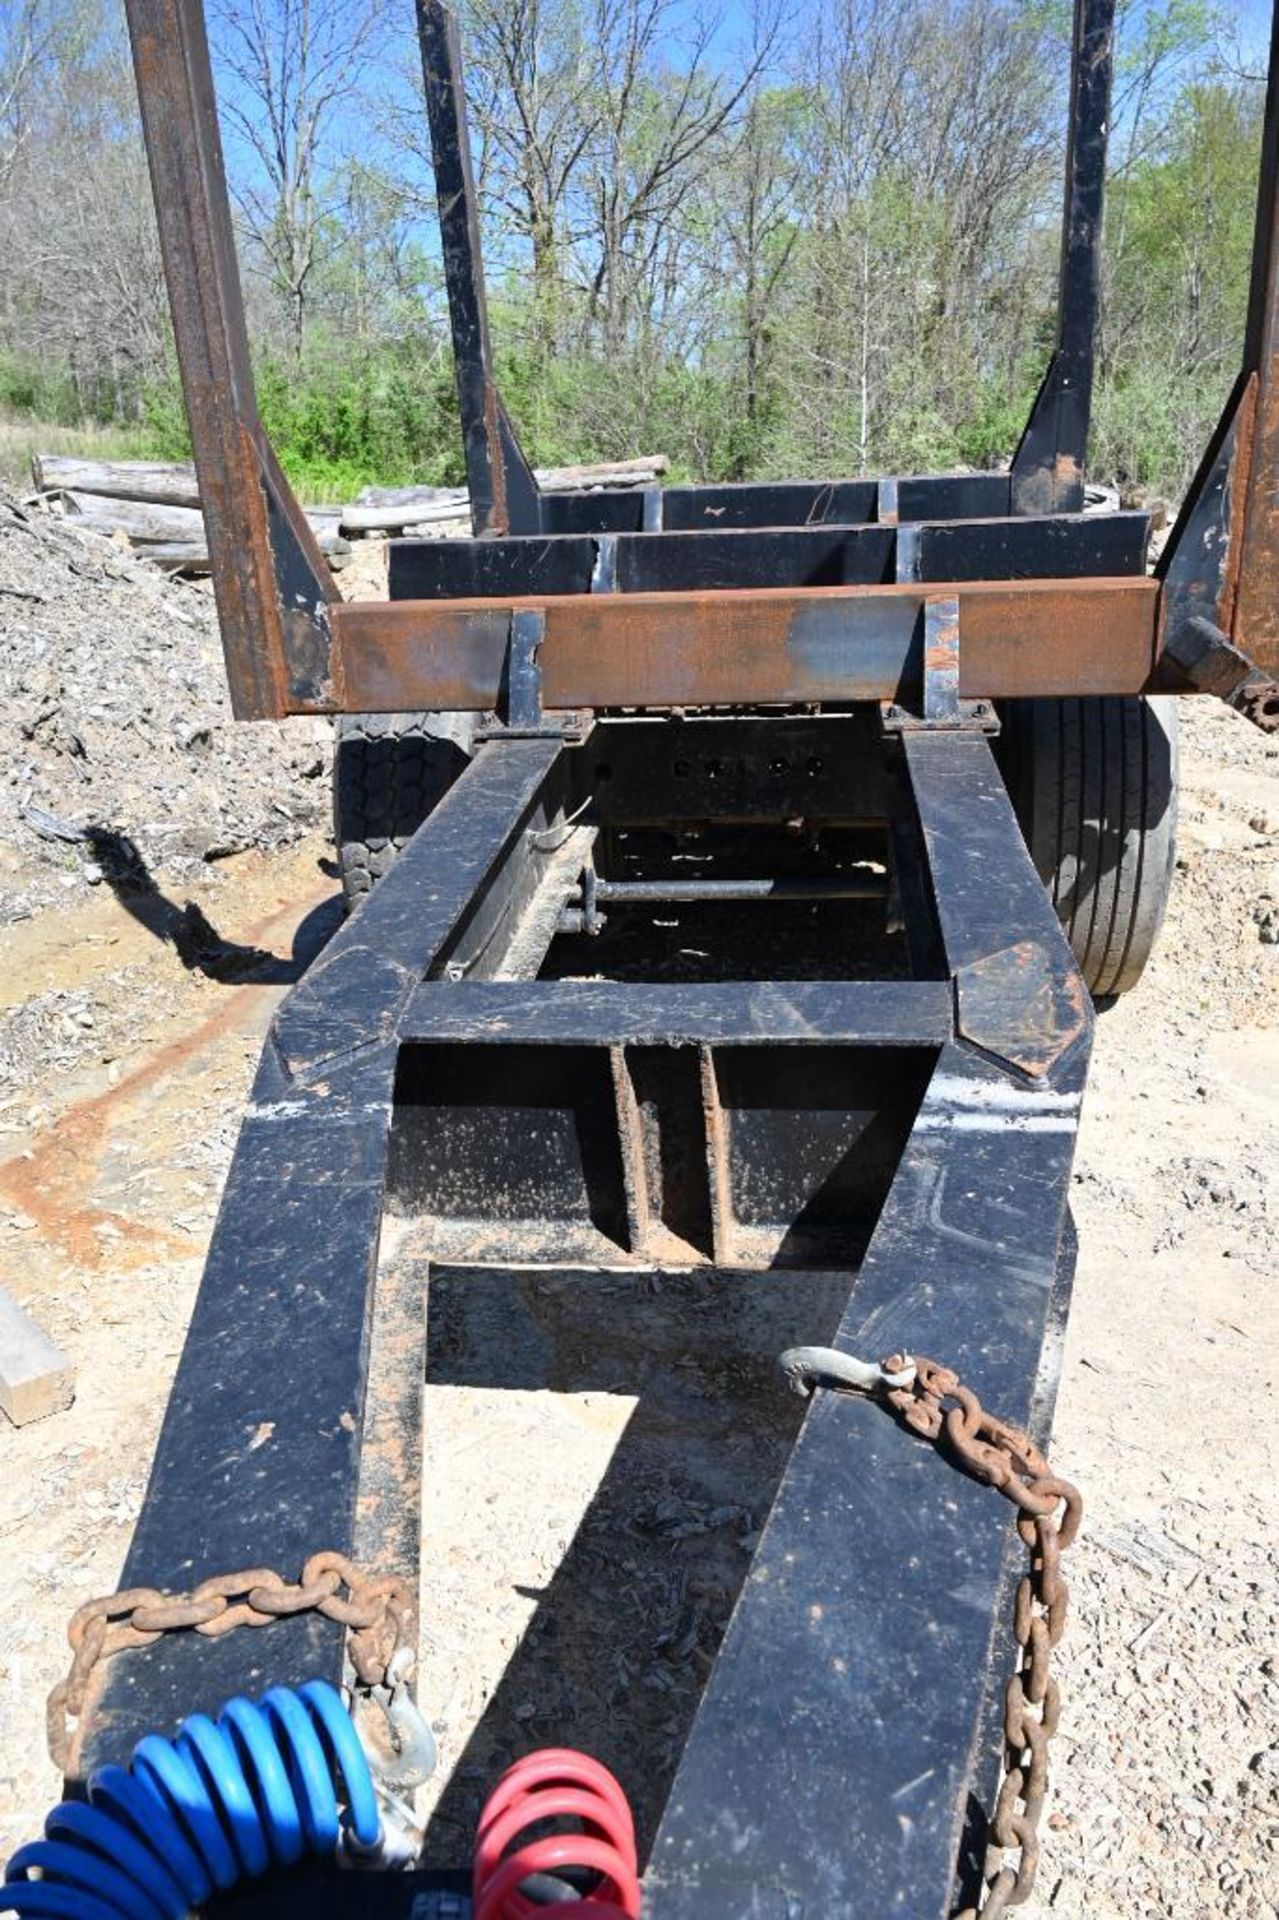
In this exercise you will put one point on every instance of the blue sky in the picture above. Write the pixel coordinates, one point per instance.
(353, 130)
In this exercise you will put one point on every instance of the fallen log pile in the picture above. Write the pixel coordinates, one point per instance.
(155, 505)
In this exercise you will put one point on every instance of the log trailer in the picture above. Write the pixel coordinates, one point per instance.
(749, 862)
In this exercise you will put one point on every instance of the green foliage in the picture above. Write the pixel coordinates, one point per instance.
(37, 391)
(165, 417)
(995, 425)
(340, 420)
(1138, 429)
(1179, 245)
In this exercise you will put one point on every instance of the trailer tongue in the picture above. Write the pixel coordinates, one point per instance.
(707, 941)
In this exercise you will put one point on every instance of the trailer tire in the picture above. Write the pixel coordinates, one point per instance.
(1094, 785)
(389, 771)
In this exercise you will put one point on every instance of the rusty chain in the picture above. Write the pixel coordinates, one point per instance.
(937, 1405)
(932, 1401)
(380, 1610)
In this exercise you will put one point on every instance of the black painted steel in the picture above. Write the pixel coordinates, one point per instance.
(258, 1459)
(526, 1117)
(828, 1768)
(504, 494)
(868, 886)
(1062, 547)
(1048, 468)
(781, 503)
(614, 1013)
(818, 769)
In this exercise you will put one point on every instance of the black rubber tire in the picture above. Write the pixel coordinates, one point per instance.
(1094, 784)
(389, 771)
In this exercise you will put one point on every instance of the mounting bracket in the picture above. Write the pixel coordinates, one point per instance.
(524, 717)
(942, 710)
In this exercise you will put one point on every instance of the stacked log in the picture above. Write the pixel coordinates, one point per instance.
(164, 483)
(156, 504)
(402, 509)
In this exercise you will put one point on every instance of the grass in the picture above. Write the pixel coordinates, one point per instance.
(316, 482)
(21, 436)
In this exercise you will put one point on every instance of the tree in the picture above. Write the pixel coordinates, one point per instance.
(659, 122)
(82, 297)
(26, 37)
(1177, 271)
(758, 223)
(536, 109)
(287, 71)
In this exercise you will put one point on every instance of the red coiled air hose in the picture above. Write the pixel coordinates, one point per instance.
(555, 1784)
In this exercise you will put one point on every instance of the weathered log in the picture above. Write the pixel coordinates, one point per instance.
(166, 483)
(142, 520)
(191, 556)
(609, 473)
(177, 556)
(392, 509)
(391, 516)
(407, 496)
(174, 537)
(170, 486)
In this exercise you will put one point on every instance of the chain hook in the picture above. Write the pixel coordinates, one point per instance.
(412, 1741)
(807, 1368)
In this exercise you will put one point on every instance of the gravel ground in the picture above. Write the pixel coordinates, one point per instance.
(1166, 1795)
(127, 1038)
(119, 753)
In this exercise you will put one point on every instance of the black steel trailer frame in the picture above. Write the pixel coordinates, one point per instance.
(805, 679)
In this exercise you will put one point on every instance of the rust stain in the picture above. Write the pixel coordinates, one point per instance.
(388, 1496)
(1066, 472)
(715, 1124)
(53, 1181)
(1240, 472)
(1016, 1005)
(773, 644)
(941, 653)
(501, 521)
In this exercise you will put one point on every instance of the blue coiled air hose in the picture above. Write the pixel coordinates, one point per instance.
(260, 1787)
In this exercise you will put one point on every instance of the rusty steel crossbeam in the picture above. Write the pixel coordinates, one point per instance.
(748, 647)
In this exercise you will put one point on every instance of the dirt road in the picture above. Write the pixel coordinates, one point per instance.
(126, 1070)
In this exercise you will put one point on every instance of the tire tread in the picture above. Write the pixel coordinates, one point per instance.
(390, 771)
(1094, 783)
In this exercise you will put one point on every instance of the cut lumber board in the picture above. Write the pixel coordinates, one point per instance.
(35, 1377)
